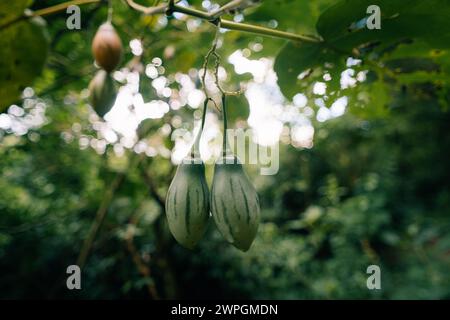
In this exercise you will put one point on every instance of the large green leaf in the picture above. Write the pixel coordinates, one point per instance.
(344, 26)
(421, 50)
(296, 58)
(23, 48)
(370, 101)
(293, 15)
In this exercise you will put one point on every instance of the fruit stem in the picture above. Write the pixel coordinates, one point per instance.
(110, 11)
(205, 107)
(195, 151)
(224, 115)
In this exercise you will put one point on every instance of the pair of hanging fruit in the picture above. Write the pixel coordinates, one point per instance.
(233, 201)
(107, 50)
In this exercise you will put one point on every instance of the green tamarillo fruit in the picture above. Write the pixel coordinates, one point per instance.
(234, 203)
(187, 200)
(102, 92)
(187, 203)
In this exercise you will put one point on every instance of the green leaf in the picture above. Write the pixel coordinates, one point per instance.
(419, 50)
(343, 25)
(298, 57)
(413, 39)
(294, 15)
(23, 48)
(409, 65)
(237, 108)
(421, 77)
(371, 101)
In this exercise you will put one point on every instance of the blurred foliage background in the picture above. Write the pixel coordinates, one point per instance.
(364, 175)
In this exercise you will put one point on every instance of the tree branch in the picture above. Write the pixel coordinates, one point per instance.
(164, 8)
(232, 5)
(99, 218)
(102, 210)
(231, 25)
(47, 11)
(151, 187)
(60, 7)
(141, 266)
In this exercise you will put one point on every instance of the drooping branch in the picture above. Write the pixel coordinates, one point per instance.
(231, 25)
(47, 11)
(60, 7)
(141, 266)
(245, 27)
(151, 187)
(172, 7)
(98, 220)
(103, 210)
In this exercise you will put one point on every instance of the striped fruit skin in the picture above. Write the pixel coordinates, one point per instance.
(234, 203)
(187, 204)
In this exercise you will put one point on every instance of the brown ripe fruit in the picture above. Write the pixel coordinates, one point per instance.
(107, 47)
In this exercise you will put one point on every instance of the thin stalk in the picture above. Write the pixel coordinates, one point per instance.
(233, 4)
(61, 7)
(47, 11)
(195, 151)
(225, 125)
(110, 11)
(205, 107)
(103, 210)
(191, 12)
(231, 25)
